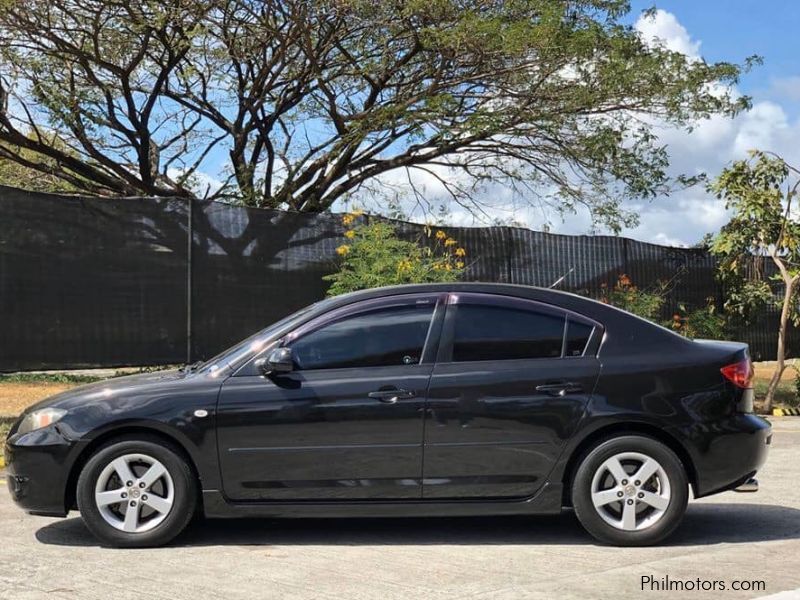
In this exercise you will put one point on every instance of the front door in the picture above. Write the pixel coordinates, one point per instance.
(346, 423)
(509, 387)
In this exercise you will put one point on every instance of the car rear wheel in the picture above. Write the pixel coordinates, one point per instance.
(136, 493)
(630, 491)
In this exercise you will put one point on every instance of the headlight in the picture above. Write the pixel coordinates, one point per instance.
(40, 418)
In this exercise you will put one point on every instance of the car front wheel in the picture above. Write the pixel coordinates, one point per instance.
(136, 493)
(630, 491)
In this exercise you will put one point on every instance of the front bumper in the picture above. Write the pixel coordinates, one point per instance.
(38, 465)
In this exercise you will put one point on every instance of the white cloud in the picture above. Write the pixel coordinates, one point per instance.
(664, 28)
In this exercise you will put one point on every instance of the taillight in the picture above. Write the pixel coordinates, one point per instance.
(740, 373)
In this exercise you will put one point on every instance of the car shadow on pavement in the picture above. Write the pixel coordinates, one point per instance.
(704, 524)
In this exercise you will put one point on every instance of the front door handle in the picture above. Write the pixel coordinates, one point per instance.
(561, 388)
(391, 396)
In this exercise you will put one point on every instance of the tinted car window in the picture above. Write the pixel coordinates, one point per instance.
(486, 332)
(383, 337)
(577, 338)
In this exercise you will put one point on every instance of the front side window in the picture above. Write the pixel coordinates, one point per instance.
(492, 332)
(389, 336)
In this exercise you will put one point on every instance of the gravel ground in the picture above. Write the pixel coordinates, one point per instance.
(726, 537)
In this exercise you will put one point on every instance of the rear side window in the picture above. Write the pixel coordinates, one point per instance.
(578, 335)
(490, 332)
(391, 336)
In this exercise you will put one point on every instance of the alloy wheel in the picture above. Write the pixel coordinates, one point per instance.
(134, 493)
(630, 491)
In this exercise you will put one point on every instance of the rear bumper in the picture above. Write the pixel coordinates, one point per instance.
(728, 452)
(37, 465)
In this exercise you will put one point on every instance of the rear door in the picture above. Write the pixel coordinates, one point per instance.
(510, 384)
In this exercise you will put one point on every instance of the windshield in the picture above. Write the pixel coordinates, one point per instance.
(234, 355)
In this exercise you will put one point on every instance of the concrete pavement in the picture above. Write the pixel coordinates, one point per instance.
(727, 538)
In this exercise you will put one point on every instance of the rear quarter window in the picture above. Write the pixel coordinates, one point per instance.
(578, 335)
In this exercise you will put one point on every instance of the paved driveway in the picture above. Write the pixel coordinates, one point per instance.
(727, 537)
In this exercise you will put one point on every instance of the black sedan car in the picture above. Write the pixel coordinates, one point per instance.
(443, 399)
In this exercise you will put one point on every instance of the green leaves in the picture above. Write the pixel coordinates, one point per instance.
(373, 256)
(763, 226)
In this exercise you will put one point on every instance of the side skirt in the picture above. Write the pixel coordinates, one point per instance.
(546, 502)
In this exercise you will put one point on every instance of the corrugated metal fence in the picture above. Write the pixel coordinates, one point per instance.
(109, 282)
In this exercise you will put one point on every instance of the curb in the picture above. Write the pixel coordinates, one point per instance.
(786, 412)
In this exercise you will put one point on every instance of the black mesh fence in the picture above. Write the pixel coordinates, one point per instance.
(108, 282)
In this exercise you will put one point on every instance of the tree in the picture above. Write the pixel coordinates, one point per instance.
(374, 256)
(759, 191)
(18, 173)
(312, 101)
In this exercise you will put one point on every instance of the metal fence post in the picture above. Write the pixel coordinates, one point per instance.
(189, 283)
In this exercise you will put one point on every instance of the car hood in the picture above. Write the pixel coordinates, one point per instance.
(102, 391)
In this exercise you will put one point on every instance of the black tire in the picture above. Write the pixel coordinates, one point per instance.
(590, 517)
(184, 485)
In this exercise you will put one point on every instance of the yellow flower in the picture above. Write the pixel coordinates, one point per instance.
(343, 249)
(460, 252)
(436, 266)
(447, 267)
(348, 220)
(350, 234)
(450, 242)
(440, 235)
(459, 264)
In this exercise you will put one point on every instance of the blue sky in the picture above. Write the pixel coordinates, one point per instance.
(733, 29)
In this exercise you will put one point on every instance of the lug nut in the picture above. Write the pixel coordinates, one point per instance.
(141, 484)
(619, 494)
(630, 501)
(641, 494)
(129, 484)
(144, 497)
(637, 482)
(624, 482)
(133, 502)
(124, 495)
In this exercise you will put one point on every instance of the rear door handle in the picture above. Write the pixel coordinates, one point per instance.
(391, 396)
(560, 389)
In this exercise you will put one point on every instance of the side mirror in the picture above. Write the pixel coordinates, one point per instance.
(278, 361)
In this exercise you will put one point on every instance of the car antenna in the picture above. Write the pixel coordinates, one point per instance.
(562, 278)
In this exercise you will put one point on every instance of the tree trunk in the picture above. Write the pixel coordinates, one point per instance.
(780, 367)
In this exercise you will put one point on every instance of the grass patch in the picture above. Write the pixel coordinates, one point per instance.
(785, 394)
(5, 426)
(74, 378)
(48, 378)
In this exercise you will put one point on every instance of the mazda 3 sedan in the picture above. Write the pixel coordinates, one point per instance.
(443, 399)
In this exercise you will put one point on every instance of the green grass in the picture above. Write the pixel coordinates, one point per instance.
(785, 395)
(5, 425)
(48, 378)
(72, 377)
